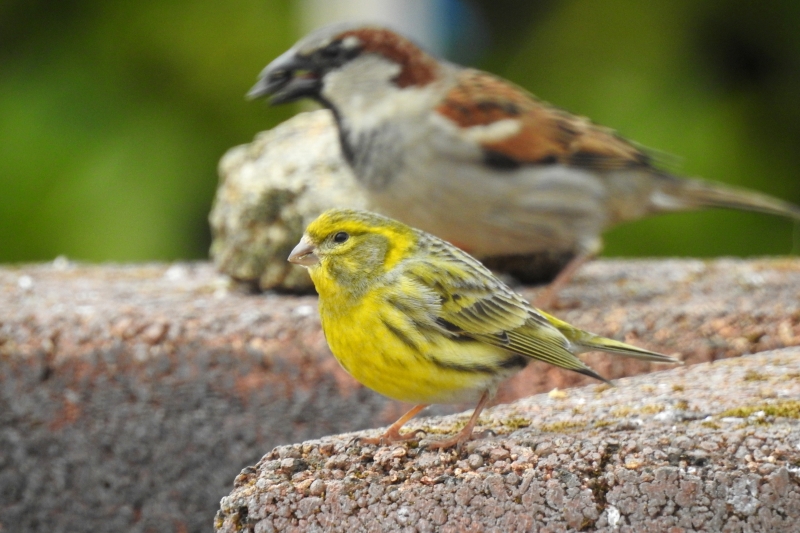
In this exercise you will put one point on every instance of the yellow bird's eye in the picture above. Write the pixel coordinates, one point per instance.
(340, 237)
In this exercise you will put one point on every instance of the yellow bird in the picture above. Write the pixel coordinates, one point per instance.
(418, 320)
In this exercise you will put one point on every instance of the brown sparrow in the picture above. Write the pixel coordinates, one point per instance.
(476, 160)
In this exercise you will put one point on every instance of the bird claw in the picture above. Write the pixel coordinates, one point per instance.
(390, 437)
(459, 440)
(485, 434)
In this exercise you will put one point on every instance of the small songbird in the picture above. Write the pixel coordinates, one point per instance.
(419, 320)
(476, 160)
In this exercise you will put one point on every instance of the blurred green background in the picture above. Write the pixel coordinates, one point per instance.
(113, 115)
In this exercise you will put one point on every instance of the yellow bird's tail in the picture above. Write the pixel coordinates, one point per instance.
(583, 341)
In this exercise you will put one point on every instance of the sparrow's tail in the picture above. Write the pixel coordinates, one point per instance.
(678, 194)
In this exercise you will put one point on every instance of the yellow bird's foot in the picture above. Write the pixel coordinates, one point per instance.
(390, 437)
(465, 434)
(458, 440)
(393, 434)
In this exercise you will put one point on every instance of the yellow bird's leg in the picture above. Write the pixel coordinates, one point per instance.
(465, 434)
(393, 433)
(548, 296)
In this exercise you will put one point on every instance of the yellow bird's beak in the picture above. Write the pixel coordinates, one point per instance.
(303, 254)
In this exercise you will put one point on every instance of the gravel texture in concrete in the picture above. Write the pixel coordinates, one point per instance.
(130, 396)
(714, 447)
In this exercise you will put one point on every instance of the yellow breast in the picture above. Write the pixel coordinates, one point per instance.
(382, 348)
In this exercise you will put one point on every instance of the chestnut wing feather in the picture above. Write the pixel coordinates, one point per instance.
(545, 134)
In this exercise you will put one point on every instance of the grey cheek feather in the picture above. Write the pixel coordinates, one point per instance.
(376, 155)
(359, 95)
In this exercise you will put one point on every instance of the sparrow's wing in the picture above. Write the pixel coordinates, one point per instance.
(515, 129)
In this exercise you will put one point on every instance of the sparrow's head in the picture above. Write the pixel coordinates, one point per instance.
(363, 55)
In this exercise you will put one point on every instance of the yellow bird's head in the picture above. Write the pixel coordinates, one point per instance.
(352, 248)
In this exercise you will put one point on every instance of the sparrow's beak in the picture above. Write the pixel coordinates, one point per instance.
(288, 78)
(303, 254)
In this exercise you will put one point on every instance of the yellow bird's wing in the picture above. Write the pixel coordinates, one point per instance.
(475, 304)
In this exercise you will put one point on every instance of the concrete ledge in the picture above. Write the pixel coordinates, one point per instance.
(714, 447)
(131, 395)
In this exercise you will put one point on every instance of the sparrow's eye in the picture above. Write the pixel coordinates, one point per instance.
(336, 54)
(340, 237)
(331, 51)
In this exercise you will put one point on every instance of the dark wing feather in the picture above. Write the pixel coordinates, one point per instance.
(476, 304)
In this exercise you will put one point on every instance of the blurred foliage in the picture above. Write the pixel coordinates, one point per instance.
(113, 115)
